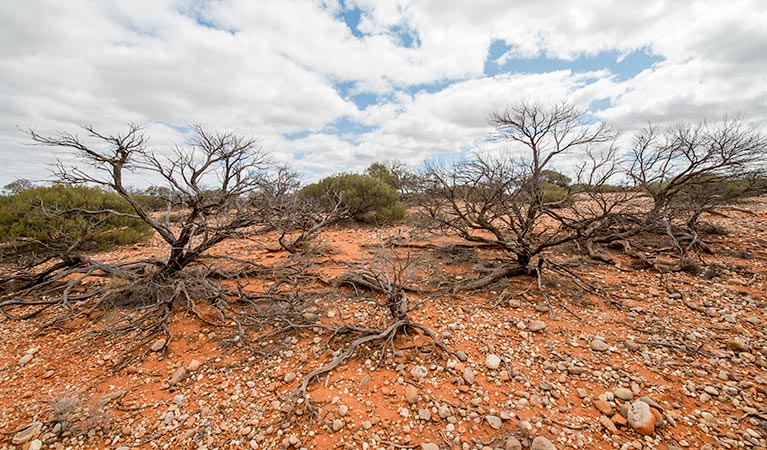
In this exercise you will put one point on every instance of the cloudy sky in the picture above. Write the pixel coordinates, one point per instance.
(331, 86)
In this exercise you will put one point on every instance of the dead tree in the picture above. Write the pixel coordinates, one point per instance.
(506, 202)
(386, 275)
(687, 171)
(214, 181)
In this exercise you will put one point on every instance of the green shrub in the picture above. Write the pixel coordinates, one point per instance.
(52, 219)
(553, 193)
(365, 198)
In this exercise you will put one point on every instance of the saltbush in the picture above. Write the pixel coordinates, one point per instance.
(63, 218)
(365, 198)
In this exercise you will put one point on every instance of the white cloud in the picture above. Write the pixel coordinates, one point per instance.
(269, 68)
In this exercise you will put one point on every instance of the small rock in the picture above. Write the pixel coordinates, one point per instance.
(157, 345)
(338, 424)
(495, 422)
(424, 414)
(576, 370)
(468, 376)
(545, 386)
(36, 444)
(608, 424)
(536, 325)
(604, 407)
(492, 361)
(599, 345)
(411, 394)
(541, 443)
(289, 377)
(26, 434)
(641, 418)
(194, 365)
(26, 358)
(343, 410)
(619, 420)
(419, 372)
(623, 394)
(461, 356)
(513, 443)
(632, 346)
(429, 446)
(178, 376)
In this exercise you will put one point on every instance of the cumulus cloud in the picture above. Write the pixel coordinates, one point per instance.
(295, 72)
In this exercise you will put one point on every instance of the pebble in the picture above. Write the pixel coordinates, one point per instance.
(177, 376)
(289, 377)
(468, 376)
(429, 446)
(513, 443)
(338, 424)
(495, 422)
(411, 394)
(536, 325)
(641, 418)
(541, 443)
(492, 361)
(36, 444)
(598, 345)
(26, 358)
(623, 394)
(461, 356)
(157, 345)
(194, 365)
(604, 407)
(419, 372)
(27, 433)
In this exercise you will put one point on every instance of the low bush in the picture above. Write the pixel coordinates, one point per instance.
(364, 198)
(64, 218)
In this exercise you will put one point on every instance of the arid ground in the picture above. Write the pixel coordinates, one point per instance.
(570, 360)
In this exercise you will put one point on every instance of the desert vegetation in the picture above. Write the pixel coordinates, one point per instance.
(563, 195)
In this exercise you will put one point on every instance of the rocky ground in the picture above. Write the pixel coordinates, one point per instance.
(656, 361)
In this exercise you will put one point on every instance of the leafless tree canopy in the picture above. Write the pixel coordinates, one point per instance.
(503, 201)
(211, 179)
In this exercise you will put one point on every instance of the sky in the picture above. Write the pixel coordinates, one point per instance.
(331, 86)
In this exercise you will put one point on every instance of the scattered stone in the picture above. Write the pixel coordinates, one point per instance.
(194, 365)
(178, 376)
(343, 410)
(495, 422)
(545, 386)
(536, 325)
(513, 443)
(598, 345)
(492, 361)
(542, 307)
(582, 393)
(461, 356)
(36, 444)
(608, 425)
(338, 424)
(619, 420)
(289, 377)
(26, 358)
(158, 345)
(26, 434)
(541, 443)
(641, 418)
(424, 414)
(604, 407)
(429, 446)
(632, 346)
(576, 370)
(623, 394)
(468, 376)
(411, 394)
(419, 372)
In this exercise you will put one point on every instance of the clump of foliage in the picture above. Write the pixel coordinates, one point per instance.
(63, 219)
(363, 198)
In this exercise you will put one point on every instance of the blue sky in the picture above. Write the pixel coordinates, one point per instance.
(333, 85)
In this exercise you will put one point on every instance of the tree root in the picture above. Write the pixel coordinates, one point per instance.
(387, 336)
